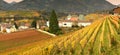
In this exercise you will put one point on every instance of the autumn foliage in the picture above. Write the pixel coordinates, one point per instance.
(100, 38)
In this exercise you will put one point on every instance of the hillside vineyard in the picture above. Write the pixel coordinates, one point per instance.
(96, 39)
(100, 38)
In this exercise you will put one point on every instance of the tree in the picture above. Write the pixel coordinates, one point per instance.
(34, 24)
(53, 24)
(16, 26)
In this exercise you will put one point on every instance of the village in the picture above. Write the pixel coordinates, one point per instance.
(59, 27)
(69, 21)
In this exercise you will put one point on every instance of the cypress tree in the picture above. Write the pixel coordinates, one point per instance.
(53, 23)
(16, 26)
(33, 25)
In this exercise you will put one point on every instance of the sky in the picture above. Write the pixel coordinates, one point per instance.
(10, 1)
(115, 2)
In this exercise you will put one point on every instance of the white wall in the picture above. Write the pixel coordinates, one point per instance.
(84, 24)
(47, 23)
(67, 24)
(62, 24)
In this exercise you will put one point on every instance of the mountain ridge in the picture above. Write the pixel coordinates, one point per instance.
(77, 6)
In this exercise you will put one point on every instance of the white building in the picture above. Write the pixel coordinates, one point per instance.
(65, 23)
(72, 20)
(70, 23)
(84, 23)
(69, 17)
(62, 24)
(7, 28)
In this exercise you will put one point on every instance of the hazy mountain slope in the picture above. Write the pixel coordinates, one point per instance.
(4, 5)
(81, 6)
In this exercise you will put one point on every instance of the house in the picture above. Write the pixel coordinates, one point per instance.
(65, 23)
(23, 24)
(116, 11)
(73, 20)
(70, 23)
(84, 23)
(75, 17)
(7, 28)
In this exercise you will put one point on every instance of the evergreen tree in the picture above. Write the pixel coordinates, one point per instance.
(34, 24)
(16, 26)
(53, 23)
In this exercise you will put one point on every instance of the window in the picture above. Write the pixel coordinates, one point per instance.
(65, 24)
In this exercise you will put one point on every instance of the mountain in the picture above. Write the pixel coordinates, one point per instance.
(13, 3)
(4, 5)
(79, 6)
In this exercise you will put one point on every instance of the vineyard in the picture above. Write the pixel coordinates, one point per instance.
(100, 38)
(10, 41)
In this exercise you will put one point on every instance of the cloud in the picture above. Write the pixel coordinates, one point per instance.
(10, 1)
